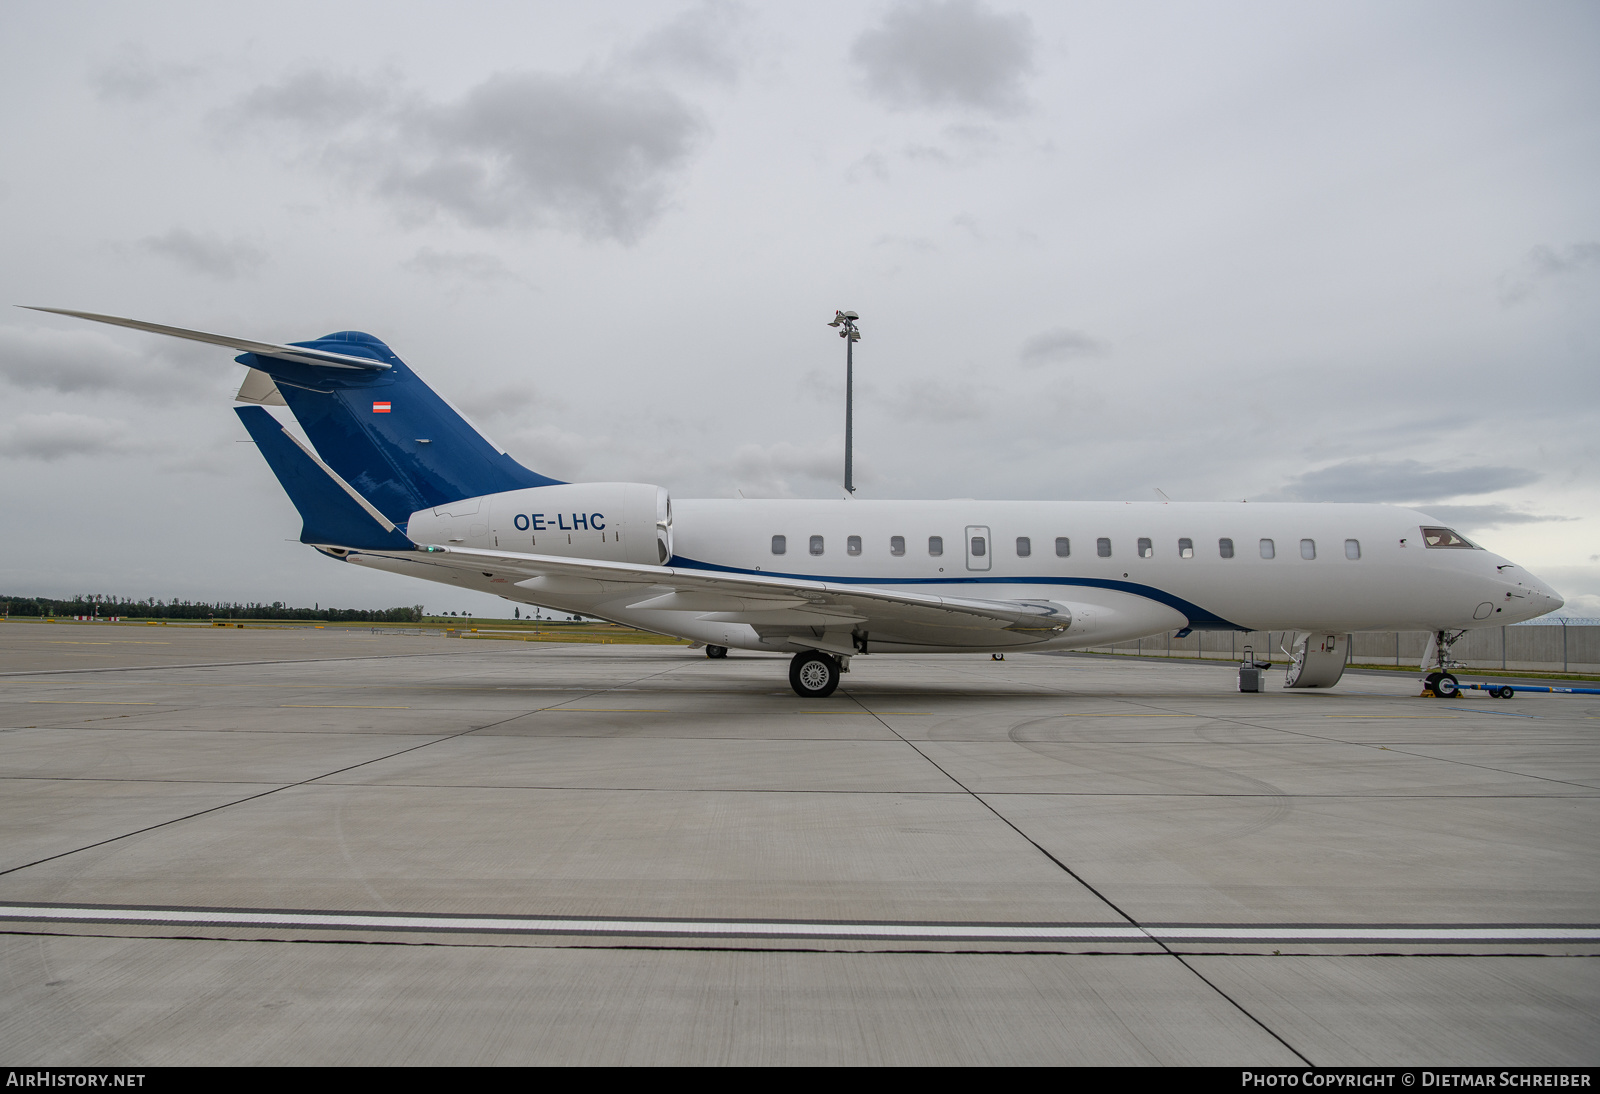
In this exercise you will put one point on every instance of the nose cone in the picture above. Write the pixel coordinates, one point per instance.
(1534, 598)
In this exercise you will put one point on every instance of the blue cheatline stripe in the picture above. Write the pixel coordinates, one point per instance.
(295, 919)
(1199, 618)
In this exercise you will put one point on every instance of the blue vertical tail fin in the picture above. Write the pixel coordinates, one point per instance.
(386, 433)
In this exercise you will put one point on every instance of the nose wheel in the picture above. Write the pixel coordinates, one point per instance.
(813, 675)
(1443, 684)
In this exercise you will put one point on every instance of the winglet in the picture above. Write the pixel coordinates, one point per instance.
(333, 512)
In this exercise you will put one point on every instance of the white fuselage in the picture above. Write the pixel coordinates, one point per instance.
(1334, 567)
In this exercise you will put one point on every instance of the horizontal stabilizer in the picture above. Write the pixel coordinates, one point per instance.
(333, 513)
(299, 354)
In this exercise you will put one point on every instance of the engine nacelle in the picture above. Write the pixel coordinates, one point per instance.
(615, 521)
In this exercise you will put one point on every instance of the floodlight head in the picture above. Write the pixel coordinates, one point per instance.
(851, 315)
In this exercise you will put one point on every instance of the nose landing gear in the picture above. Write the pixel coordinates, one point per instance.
(1437, 663)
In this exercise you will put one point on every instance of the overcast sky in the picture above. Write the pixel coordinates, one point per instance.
(1341, 252)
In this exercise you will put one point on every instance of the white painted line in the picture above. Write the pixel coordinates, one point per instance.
(974, 932)
(540, 925)
(1376, 934)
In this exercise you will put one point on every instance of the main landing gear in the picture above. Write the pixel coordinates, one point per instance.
(813, 674)
(716, 651)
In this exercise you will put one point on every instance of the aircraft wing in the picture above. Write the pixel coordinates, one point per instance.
(779, 603)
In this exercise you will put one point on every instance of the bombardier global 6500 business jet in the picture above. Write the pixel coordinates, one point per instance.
(390, 477)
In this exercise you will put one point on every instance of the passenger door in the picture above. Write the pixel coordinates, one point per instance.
(980, 547)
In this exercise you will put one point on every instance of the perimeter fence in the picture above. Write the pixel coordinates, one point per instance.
(1524, 647)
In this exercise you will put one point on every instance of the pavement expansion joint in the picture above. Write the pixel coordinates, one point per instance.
(820, 929)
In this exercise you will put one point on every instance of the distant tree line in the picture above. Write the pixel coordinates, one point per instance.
(156, 608)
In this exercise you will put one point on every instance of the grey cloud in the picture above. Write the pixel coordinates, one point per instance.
(65, 361)
(1544, 264)
(536, 442)
(58, 435)
(1059, 344)
(88, 362)
(210, 255)
(920, 244)
(590, 152)
(948, 53)
(586, 149)
(872, 164)
(73, 362)
(974, 136)
(1403, 481)
(768, 470)
(513, 401)
(461, 265)
(970, 143)
(134, 77)
(316, 99)
(935, 401)
(1469, 517)
(204, 462)
(697, 43)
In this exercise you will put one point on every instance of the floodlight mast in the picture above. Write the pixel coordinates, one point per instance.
(847, 321)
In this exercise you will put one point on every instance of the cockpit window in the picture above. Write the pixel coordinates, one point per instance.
(1444, 537)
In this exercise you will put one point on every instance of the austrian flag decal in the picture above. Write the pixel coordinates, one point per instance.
(380, 408)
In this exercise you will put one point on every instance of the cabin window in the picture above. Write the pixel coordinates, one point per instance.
(1024, 546)
(936, 545)
(852, 545)
(816, 545)
(1146, 549)
(1225, 548)
(1444, 537)
(1102, 547)
(1186, 548)
(1063, 547)
(1267, 549)
(1308, 548)
(897, 545)
(780, 544)
(1352, 549)
(980, 547)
